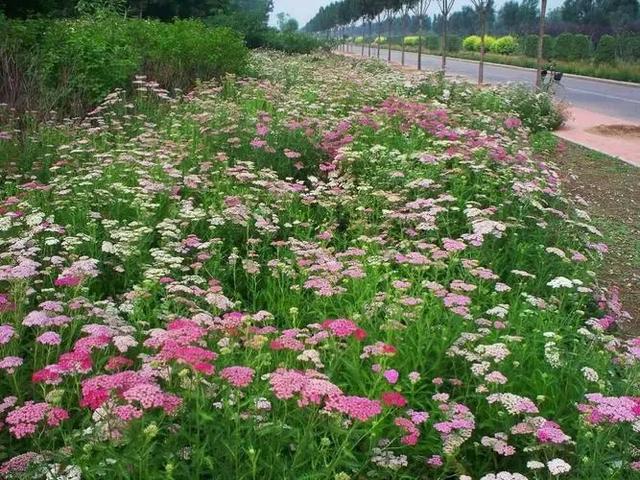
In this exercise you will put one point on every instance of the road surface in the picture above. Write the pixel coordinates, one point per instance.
(615, 100)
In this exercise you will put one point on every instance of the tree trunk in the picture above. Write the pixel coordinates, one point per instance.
(389, 39)
(420, 42)
(543, 12)
(379, 35)
(444, 42)
(483, 33)
(363, 39)
(370, 37)
(404, 35)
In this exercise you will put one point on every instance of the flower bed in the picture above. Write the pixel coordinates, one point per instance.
(325, 271)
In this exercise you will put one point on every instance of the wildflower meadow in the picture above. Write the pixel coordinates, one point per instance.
(321, 269)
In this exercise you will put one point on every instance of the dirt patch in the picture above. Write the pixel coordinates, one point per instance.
(620, 131)
(610, 189)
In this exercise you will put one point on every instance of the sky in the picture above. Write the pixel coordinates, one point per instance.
(304, 10)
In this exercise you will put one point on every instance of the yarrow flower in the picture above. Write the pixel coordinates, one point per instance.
(557, 466)
(24, 420)
(239, 377)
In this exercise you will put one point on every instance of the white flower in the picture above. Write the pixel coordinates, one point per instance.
(560, 282)
(590, 374)
(534, 465)
(557, 466)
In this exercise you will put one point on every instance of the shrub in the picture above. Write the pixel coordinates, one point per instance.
(72, 64)
(359, 40)
(380, 40)
(571, 46)
(85, 59)
(411, 41)
(628, 47)
(505, 45)
(432, 42)
(292, 42)
(454, 43)
(472, 43)
(177, 54)
(606, 50)
(530, 46)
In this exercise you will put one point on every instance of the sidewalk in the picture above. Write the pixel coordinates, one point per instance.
(605, 134)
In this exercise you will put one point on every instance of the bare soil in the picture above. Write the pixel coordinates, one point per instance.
(621, 131)
(611, 189)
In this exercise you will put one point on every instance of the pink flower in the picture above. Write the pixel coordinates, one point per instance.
(67, 281)
(20, 463)
(291, 154)
(49, 338)
(512, 123)
(550, 432)
(359, 408)
(393, 399)
(6, 333)
(435, 461)
(24, 420)
(344, 328)
(391, 376)
(239, 377)
(412, 434)
(10, 363)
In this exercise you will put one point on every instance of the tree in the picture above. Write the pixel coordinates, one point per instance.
(406, 9)
(393, 7)
(420, 8)
(543, 12)
(482, 8)
(286, 23)
(445, 7)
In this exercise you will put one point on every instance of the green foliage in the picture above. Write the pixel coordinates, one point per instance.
(506, 45)
(628, 47)
(412, 40)
(571, 46)
(606, 50)
(359, 40)
(292, 42)
(380, 40)
(454, 43)
(72, 64)
(432, 42)
(530, 46)
(537, 111)
(472, 43)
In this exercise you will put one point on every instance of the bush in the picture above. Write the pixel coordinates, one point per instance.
(359, 40)
(606, 50)
(530, 46)
(472, 43)
(72, 64)
(411, 41)
(432, 42)
(628, 47)
(380, 40)
(292, 42)
(505, 45)
(176, 54)
(454, 43)
(571, 46)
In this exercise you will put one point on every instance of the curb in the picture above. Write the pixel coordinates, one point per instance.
(529, 69)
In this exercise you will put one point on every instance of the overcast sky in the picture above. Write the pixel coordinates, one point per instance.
(304, 10)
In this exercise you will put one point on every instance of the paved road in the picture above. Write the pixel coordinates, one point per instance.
(620, 101)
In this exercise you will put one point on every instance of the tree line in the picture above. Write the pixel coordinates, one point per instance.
(158, 9)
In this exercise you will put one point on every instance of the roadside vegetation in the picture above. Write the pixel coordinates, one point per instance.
(325, 269)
